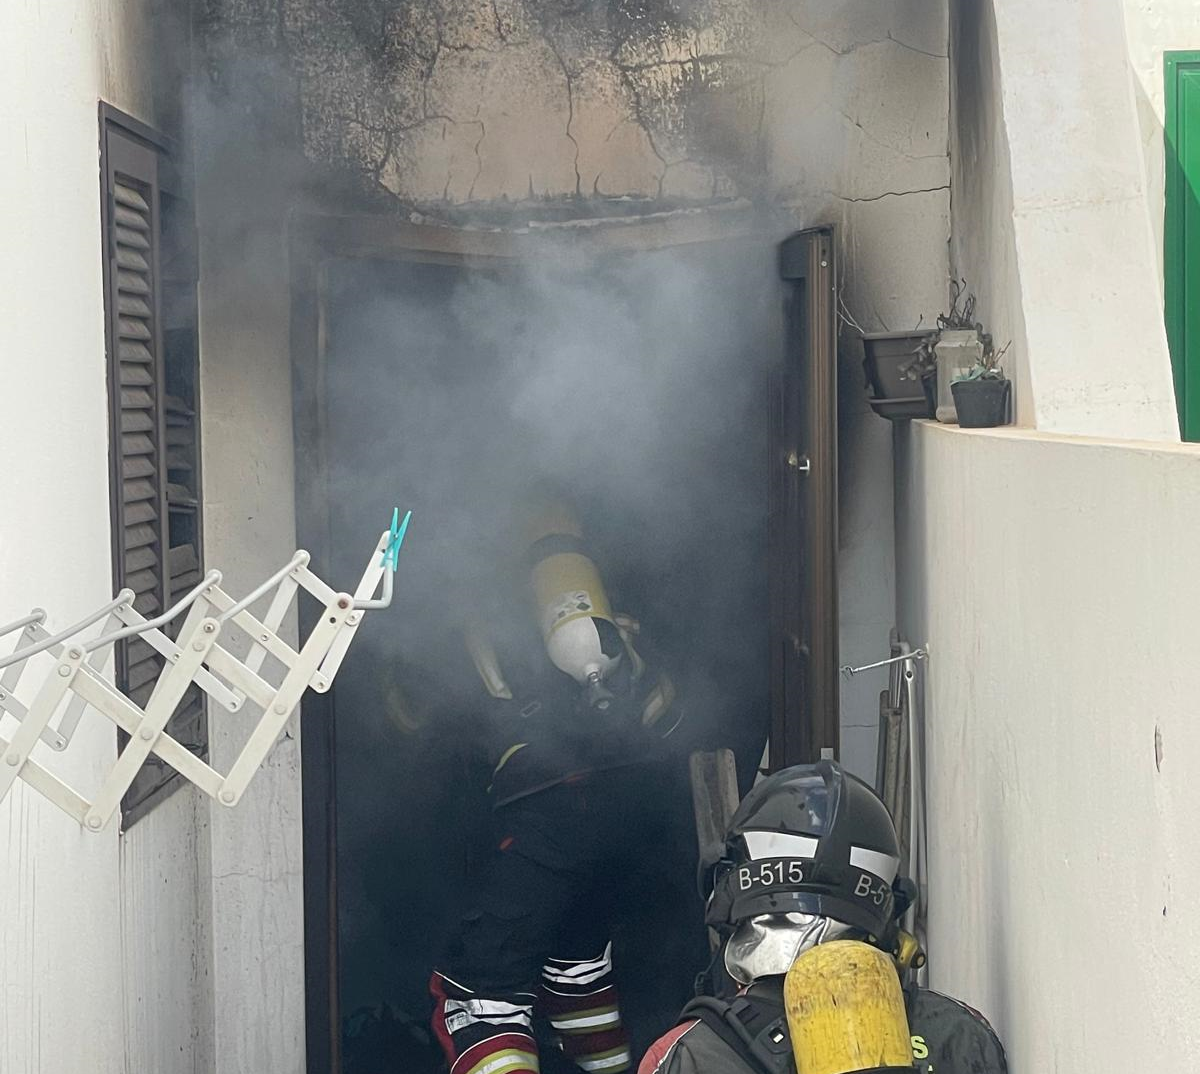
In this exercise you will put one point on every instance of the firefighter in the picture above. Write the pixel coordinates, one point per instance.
(577, 716)
(810, 869)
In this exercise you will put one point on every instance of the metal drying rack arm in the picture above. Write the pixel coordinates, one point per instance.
(384, 600)
(314, 663)
(38, 615)
(123, 598)
(300, 559)
(210, 579)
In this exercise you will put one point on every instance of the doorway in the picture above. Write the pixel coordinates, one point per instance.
(641, 380)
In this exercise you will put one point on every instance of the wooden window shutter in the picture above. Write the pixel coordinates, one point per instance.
(136, 383)
(150, 303)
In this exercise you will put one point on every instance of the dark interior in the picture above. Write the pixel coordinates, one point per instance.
(638, 382)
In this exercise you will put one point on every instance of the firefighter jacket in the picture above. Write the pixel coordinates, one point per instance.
(547, 733)
(948, 1037)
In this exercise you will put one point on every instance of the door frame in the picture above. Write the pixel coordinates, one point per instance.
(805, 684)
(314, 242)
(1185, 352)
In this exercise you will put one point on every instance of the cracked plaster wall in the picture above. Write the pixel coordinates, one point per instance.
(504, 110)
(458, 102)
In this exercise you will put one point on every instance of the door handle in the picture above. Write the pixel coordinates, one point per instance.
(800, 463)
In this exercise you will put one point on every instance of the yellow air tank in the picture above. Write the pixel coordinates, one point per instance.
(581, 634)
(845, 1010)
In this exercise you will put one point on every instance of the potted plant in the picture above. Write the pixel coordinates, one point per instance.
(901, 373)
(960, 347)
(982, 394)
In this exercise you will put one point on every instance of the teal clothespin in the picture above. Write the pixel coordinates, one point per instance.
(391, 554)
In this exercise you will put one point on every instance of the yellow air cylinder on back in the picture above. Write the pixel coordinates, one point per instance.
(845, 1010)
(577, 622)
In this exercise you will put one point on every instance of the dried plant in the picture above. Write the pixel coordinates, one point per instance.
(962, 318)
(962, 309)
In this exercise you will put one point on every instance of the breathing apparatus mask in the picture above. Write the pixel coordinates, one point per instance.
(580, 634)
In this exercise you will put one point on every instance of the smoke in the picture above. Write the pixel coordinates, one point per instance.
(635, 382)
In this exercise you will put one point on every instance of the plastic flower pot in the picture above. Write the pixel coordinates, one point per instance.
(982, 403)
(902, 384)
(958, 351)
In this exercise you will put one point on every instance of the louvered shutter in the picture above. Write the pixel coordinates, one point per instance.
(140, 510)
(181, 428)
(152, 340)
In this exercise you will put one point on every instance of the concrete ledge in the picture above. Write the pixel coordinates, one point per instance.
(1009, 433)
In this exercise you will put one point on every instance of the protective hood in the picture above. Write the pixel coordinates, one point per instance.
(768, 945)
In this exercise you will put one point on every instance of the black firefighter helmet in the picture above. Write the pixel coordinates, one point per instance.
(812, 839)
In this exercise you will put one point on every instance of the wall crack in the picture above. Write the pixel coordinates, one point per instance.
(478, 159)
(919, 51)
(892, 194)
(570, 112)
(887, 145)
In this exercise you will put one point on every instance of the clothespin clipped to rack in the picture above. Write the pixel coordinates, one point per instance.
(391, 539)
(391, 554)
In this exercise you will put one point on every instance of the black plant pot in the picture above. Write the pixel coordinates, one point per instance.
(898, 392)
(982, 403)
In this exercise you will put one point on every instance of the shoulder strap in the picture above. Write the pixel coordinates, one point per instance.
(755, 1031)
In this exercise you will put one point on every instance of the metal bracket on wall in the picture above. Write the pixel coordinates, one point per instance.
(202, 654)
(915, 654)
(900, 776)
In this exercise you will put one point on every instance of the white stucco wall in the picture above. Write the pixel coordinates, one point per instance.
(1092, 356)
(983, 244)
(212, 897)
(1056, 580)
(61, 985)
(254, 875)
(166, 939)
(1154, 27)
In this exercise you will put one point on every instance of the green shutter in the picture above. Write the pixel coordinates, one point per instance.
(1182, 233)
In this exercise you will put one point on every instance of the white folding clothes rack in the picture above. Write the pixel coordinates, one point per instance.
(76, 681)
